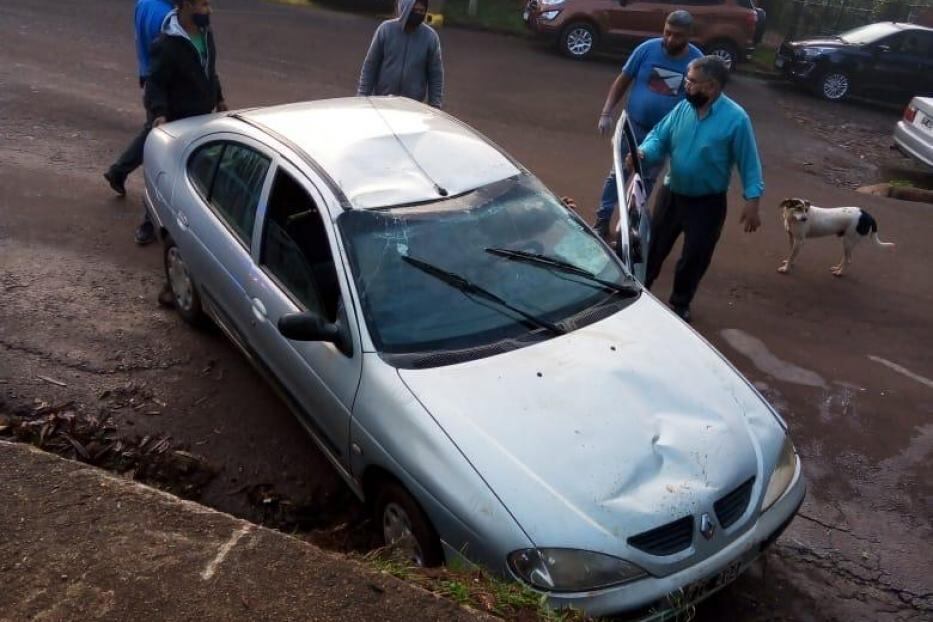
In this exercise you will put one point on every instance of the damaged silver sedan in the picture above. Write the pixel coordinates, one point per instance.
(477, 364)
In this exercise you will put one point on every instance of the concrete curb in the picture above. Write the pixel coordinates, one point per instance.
(77, 542)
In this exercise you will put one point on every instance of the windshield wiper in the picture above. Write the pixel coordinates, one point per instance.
(563, 266)
(468, 287)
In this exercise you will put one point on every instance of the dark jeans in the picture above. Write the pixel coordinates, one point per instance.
(132, 156)
(700, 219)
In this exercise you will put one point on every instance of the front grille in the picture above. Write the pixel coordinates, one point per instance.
(666, 539)
(731, 507)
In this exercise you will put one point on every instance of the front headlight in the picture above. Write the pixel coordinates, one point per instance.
(551, 2)
(782, 475)
(571, 570)
(549, 15)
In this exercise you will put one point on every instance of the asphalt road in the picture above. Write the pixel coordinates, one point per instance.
(846, 361)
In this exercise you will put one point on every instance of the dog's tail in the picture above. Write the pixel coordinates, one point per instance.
(867, 223)
(874, 235)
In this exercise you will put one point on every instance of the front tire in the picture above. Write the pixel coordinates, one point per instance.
(405, 525)
(578, 40)
(182, 285)
(834, 86)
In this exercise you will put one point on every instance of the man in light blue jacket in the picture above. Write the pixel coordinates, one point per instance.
(404, 58)
(705, 136)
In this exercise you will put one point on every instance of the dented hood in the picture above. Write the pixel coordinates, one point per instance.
(614, 429)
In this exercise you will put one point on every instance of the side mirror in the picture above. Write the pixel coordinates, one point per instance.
(310, 327)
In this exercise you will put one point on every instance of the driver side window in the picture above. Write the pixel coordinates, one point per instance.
(296, 250)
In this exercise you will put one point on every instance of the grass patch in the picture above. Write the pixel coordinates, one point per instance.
(496, 15)
(763, 57)
(901, 183)
(474, 588)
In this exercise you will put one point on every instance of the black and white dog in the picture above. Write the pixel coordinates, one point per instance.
(803, 220)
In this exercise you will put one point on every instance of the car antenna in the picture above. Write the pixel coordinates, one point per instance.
(439, 188)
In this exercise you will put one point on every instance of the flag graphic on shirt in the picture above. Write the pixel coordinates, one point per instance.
(665, 82)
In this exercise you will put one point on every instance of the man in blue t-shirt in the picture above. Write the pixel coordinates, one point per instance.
(655, 71)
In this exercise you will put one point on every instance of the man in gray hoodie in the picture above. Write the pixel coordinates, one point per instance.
(404, 58)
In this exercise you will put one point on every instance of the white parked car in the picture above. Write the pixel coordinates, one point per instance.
(472, 358)
(914, 132)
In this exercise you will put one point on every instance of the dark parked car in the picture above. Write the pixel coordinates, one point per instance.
(889, 60)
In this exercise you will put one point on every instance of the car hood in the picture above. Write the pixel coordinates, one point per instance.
(619, 427)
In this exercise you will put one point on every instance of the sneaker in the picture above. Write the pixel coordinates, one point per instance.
(116, 182)
(683, 313)
(145, 233)
(166, 297)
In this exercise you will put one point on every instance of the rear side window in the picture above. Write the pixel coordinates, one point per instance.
(230, 176)
(202, 165)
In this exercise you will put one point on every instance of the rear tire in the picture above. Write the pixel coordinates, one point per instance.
(404, 524)
(578, 40)
(182, 285)
(726, 50)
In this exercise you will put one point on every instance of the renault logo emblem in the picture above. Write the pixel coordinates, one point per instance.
(707, 527)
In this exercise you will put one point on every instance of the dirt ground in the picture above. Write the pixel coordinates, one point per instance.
(846, 361)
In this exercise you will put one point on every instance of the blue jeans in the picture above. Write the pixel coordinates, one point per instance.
(610, 195)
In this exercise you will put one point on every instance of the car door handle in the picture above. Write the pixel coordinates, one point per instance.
(182, 219)
(259, 310)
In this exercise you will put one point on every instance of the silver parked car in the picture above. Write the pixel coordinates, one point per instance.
(473, 359)
(914, 132)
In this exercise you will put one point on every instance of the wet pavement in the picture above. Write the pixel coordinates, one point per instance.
(845, 361)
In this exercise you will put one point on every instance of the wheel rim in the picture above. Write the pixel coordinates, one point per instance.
(579, 41)
(835, 86)
(726, 55)
(179, 280)
(396, 530)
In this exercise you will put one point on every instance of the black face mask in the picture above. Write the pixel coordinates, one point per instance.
(697, 100)
(415, 19)
(201, 20)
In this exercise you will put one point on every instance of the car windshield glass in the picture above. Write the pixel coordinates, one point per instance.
(868, 34)
(409, 310)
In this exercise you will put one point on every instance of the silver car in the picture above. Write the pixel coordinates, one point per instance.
(914, 132)
(476, 363)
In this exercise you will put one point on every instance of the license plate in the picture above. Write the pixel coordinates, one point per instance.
(924, 121)
(778, 62)
(702, 588)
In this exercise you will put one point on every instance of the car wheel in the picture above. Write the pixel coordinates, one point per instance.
(182, 285)
(578, 41)
(406, 527)
(726, 51)
(835, 86)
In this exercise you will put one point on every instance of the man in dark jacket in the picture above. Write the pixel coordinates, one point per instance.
(183, 78)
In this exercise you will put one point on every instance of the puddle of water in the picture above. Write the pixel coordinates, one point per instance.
(762, 358)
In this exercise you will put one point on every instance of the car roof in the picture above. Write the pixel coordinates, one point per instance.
(386, 151)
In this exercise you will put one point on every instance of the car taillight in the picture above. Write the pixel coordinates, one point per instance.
(910, 113)
(752, 19)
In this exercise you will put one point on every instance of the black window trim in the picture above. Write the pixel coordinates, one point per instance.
(291, 171)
